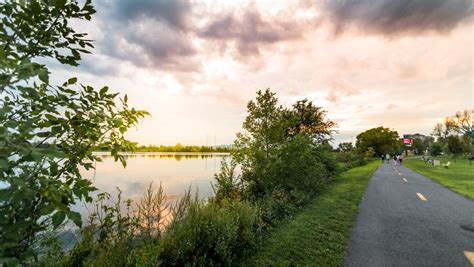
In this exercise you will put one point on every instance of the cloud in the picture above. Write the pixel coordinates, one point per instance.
(250, 31)
(148, 33)
(98, 65)
(392, 18)
(391, 106)
(173, 13)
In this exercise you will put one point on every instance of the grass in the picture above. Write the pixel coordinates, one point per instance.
(459, 177)
(317, 235)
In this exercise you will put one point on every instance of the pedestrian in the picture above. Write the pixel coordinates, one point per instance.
(387, 157)
(400, 159)
(382, 158)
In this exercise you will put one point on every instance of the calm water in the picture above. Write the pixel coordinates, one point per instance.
(176, 172)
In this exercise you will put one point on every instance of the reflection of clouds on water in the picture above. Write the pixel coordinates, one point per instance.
(176, 171)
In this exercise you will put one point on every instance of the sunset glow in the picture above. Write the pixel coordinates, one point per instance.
(194, 65)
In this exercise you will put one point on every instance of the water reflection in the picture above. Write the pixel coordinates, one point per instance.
(176, 172)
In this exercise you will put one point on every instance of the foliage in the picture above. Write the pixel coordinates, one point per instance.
(348, 157)
(210, 234)
(345, 147)
(48, 131)
(456, 133)
(369, 153)
(462, 123)
(228, 185)
(381, 140)
(455, 145)
(420, 146)
(280, 147)
(152, 212)
(115, 229)
(176, 148)
(305, 118)
(300, 165)
(317, 235)
(189, 232)
(436, 149)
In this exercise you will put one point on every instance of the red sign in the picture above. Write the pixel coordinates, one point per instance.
(407, 141)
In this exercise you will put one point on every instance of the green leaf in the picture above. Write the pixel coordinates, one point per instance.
(72, 80)
(5, 194)
(44, 75)
(75, 217)
(50, 117)
(103, 91)
(58, 218)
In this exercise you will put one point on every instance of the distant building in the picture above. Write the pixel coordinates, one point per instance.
(408, 142)
(422, 137)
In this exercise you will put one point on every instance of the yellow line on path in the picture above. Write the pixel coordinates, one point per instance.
(421, 196)
(470, 256)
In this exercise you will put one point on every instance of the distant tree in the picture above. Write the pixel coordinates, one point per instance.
(464, 122)
(369, 153)
(345, 147)
(381, 140)
(419, 146)
(436, 149)
(455, 145)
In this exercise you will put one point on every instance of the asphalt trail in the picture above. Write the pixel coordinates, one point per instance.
(396, 227)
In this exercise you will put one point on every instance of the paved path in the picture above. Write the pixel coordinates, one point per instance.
(406, 219)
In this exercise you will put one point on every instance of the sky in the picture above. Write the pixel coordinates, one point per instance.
(401, 64)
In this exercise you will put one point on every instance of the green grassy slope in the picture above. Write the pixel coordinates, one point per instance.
(317, 236)
(459, 177)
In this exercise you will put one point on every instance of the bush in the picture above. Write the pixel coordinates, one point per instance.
(302, 166)
(348, 160)
(209, 234)
(228, 185)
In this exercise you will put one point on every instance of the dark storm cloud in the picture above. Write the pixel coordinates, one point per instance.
(250, 31)
(155, 46)
(174, 13)
(148, 33)
(390, 17)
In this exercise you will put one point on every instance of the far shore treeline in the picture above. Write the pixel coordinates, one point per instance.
(134, 147)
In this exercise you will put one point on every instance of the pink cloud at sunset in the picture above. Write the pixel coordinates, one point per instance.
(193, 65)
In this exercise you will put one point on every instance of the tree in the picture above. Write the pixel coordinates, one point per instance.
(381, 140)
(256, 148)
(272, 133)
(305, 118)
(436, 149)
(462, 123)
(455, 145)
(419, 146)
(48, 131)
(345, 147)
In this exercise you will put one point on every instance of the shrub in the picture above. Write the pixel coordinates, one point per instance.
(302, 166)
(228, 185)
(209, 234)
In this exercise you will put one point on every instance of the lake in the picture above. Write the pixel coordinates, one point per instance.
(176, 172)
